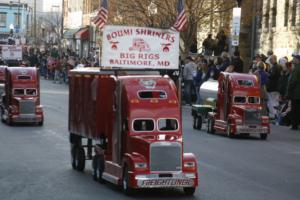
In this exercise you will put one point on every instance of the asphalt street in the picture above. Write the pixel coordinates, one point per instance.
(35, 162)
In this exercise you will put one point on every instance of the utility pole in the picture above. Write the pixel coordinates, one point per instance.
(34, 22)
(19, 24)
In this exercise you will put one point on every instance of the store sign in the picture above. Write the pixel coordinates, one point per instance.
(139, 48)
(236, 25)
(10, 52)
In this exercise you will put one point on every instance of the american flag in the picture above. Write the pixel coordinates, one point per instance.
(102, 15)
(181, 20)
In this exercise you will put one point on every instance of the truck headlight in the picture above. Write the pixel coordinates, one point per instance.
(189, 164)
(39, 109)
(238, 121)
(265, 120)
(190, 175)
(140, 165)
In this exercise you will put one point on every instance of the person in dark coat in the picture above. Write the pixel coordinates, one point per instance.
(273, 86)
(293, 92)
(237, 62)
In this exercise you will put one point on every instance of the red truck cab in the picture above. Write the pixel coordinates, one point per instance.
(134, 126)
(238, 107)
(21, 98)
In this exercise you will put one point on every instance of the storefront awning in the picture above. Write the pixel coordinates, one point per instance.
(83, 34)
(70, 33)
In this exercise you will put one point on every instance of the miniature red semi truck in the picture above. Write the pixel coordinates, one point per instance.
(132, 128)
(238, 107)
(21, 98)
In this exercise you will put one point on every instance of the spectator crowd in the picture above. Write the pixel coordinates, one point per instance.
(279, 79)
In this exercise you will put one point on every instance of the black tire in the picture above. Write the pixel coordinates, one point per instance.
(125, 181)
(194, 122)
(8, 121)
(228, 130)
(263, 136)
(199, 123)
(98, 168)
(189, 191)
(210, 126)
(73, 152)
(41, 123)
(2, 119)
(78, 158)
(75, 139)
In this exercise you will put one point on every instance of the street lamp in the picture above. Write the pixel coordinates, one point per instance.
(152, 9)
(11, 28)
(239, 3)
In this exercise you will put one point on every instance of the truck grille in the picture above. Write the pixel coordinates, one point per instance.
(165, 156)
(27, 107)
(252, 117)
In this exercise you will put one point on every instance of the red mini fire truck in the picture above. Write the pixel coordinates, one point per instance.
(238, 107)
(21, 98)
(132, 128)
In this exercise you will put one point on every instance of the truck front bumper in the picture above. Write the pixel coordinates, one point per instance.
(252, 129)
(27, 118)
(157, 181)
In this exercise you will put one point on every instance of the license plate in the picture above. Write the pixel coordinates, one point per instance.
(251, 130)
(165, 183)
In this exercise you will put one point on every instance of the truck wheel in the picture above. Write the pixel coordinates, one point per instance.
(189, 190)
(194, 123)
(41, 123)
(125, 183)
(98, 168)
(75, 139)
(8, 121)
(228, 131)
(263, 136)
(78, 159)
(199, 123)
(210, 126)
(2, 113)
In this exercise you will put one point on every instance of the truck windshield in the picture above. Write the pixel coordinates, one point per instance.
(22, 92)
(239, 99)
(142, 125)
(31, 92)
(167, 125)
(152, 94)
(245, 83)
(253, 100)
(19, 92)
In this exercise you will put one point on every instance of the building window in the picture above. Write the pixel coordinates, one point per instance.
(286, 12)
(17, 18)
(267, 14)
(2, 19)
(274, 13)
(294, 12)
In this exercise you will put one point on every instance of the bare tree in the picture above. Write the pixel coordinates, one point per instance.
(138, 12)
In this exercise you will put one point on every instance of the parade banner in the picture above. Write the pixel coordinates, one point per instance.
(11, 52)
(139, 48)
(236, 25)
